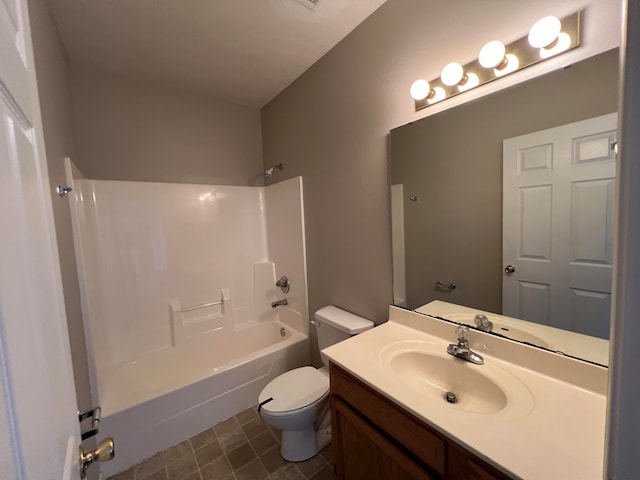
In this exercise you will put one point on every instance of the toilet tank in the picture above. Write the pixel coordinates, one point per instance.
(335, 325)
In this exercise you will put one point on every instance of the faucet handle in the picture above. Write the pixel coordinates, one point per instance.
(284, 284)
(482, 322)
(463, 334)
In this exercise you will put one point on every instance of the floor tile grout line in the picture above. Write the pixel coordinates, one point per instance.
(215, 437)
(256, 452)
(257, 456)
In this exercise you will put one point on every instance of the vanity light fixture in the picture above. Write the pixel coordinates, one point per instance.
(549, 36)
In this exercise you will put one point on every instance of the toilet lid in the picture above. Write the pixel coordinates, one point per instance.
(294, 389)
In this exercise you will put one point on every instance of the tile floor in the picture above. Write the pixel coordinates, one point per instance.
(240, 448)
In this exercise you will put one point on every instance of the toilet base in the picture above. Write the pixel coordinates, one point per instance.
(300, 445)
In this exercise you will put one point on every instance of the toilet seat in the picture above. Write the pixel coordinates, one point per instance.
(294, 391)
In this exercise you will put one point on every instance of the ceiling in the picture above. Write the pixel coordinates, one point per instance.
(245, 51)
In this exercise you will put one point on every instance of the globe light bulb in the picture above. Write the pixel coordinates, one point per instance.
(420, 89)
(452, 74)
(544, 32)
(492, 54)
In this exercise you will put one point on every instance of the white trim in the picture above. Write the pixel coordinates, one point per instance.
(623, 417)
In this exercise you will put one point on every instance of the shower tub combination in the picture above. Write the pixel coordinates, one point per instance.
(162, 399)
(176, 283)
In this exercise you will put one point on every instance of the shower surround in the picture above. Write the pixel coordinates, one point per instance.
(177, 282)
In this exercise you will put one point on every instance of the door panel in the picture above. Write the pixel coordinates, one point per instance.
(592, 222)
(558, 203)
(535, 225)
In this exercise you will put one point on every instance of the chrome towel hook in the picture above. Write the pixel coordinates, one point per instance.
(62, 191)
(447, 287)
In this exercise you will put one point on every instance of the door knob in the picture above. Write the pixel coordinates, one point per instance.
(509, 269)
(104, 452)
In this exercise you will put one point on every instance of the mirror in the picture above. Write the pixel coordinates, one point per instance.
(448, 210)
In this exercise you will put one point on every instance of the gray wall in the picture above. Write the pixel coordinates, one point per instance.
(331, 125)
(55, 103)
(453, 162)
(132, 130)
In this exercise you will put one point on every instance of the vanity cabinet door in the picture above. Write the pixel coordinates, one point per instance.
(464, 466)
(399, 427)
(363, 453)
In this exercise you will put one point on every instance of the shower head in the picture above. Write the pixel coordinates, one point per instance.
(269, 171)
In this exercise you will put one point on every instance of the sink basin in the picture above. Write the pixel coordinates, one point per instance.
(434, 376)
(426, 369)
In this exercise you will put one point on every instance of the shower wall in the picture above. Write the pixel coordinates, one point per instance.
(286, 242)
(150, 250)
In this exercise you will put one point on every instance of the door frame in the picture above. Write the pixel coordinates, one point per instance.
(623, 417)
(39, 428)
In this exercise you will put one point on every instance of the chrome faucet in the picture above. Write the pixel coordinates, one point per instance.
(483, 323)
(462, 350)
(277, 303)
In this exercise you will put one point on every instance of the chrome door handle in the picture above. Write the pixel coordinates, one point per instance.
(509, 269)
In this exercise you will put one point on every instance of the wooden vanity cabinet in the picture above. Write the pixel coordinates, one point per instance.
(373, 439)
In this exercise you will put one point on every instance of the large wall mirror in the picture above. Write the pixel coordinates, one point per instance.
(510, 198)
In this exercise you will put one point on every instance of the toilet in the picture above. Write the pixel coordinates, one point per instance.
(297, 402)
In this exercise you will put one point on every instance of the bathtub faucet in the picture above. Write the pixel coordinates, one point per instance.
(279, 302)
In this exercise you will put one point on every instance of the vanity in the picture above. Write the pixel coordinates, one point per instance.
(524, 413)
(396, 444)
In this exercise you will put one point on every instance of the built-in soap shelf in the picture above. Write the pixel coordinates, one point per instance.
(190, 320)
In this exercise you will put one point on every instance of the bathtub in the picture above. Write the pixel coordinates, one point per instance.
(161, 399)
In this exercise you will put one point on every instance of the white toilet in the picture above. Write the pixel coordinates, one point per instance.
(297, 402)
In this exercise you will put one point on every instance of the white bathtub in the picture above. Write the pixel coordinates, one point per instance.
(158, 401)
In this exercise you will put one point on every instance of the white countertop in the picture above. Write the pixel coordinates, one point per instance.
(555, 432)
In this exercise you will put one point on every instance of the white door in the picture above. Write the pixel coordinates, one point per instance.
(558, 201)
(39, 431)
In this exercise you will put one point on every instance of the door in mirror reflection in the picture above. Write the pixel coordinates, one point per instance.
(558, 196)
